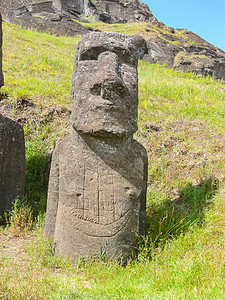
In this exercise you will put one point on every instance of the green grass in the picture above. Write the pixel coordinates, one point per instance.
(181, 124)
(146, 30)
(188, 96)
(134, 28)
(38, 66)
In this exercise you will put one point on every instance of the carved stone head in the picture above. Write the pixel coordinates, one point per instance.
(105, 85)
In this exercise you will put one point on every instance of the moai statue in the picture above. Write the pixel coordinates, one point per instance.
(1, 74)
(12, 155)
(98, 179)
(12, 163)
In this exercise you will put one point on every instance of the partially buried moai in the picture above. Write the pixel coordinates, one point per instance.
(12, 163)
(12, 155)
(1, 74)
(98, 179)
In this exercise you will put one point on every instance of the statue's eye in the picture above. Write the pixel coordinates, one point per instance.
(91, 53)
(120, 90)
(96, 90)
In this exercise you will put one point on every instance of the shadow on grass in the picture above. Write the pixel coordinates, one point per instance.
(169, 219)
(36, 187)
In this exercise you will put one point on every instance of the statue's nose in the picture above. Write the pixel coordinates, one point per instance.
(109, 84)
(108, 65)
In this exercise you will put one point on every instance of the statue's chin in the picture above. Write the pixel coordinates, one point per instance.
(106, 132)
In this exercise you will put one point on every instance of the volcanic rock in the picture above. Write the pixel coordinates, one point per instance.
(12, 163)
(97, 189)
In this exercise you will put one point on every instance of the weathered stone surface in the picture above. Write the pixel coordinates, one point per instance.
(160, 51)
(53, 24)
(71, 6)
(121, 11)
(12, 163)
(46, 16)
(97, 188)
(219, 69)
(187, 52)
(1, 74)
(50, 13)
(179, 49)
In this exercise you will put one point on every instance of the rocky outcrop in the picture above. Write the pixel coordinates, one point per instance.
(178, 49)
(52, 12)
(59, 25)
(123, 11)
(184, 50)
(1, 74)
(45, 16)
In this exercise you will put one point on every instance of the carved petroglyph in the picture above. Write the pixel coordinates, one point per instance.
(92, 190)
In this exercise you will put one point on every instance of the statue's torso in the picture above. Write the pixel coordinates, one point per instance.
(99, 198)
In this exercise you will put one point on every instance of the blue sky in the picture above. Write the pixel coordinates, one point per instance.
(205, 18)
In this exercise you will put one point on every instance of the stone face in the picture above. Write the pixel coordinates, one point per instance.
(97, 188)
(12, 163)
(106, 73)
(1, 74)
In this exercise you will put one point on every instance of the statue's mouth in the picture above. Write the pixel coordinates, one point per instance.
(108, 107)
(100, 104)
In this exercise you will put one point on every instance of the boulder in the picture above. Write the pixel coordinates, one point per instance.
(160, 51)
(121, 11)
(219, 69)
(12, 163)
(97, 189)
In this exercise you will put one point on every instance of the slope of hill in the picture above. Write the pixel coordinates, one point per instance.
(181, 124)
(177, 49)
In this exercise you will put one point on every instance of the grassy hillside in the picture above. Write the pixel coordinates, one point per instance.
(181, 124)
(178, 37)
